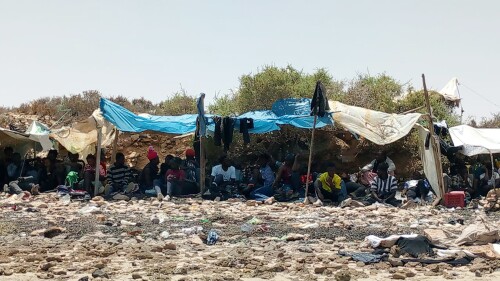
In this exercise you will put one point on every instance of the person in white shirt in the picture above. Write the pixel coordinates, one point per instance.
(223, 175)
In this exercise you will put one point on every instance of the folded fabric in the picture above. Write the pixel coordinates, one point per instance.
(365, 257)
(415, 246)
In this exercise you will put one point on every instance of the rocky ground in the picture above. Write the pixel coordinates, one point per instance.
(46, 238)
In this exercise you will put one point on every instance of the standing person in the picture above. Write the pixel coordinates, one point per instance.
(382, 158)
(329, 185)
(264, 179)
(223, 175)
(384, 186)
(119, 177)
(149, 180)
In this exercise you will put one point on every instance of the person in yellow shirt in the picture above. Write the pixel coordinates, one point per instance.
(329, 185)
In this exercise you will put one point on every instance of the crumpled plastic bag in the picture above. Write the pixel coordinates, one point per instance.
(479, 233)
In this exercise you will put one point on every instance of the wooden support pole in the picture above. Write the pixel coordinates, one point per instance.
(98, 160)
(202, 152)
(306, 200)
(115, 146)
(433, 141)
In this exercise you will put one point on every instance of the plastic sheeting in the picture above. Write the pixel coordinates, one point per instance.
(476, 141)
(378, 127)
(81, 137)
(450, 91)
(35, 137)
(294, 112)
(428, 160)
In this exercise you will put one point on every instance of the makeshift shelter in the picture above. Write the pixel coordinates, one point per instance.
(476, 141)
(81, 137)
(294, 112)
(383, 128)
(450, 91)
(36, 137)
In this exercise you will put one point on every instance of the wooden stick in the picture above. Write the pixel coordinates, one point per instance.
(413, 110)
(310, 159)
(433, 142)
(98, 160)
(202, 155)
(115, 146)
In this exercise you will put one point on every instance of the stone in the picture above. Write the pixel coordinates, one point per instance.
(398, 276)
(38, 232)
(101, 218)
(34, 258)
(155, 221)
(97, 198)
(12, 252)
(295, 237)
(319, 269)
(46, 266)
(343, 275)
(100, 266)
(410, 273)
(360, 264)
(170, 246)
(54, 258)
(4, 260)
(305, 249)
(100, 274)
(136, 276)
(84, 278)
(58, 271)
(395, 262)
(478, 273)
(144, 255)
(53, 232)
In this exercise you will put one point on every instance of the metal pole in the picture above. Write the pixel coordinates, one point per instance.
(98, 160)
(306, 200)
(433, 141)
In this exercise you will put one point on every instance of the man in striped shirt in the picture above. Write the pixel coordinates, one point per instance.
(384, 186)
(119, 176)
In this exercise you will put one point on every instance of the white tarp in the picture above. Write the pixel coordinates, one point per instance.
(40, 133)
(378, 127)
(81, 137)
(428, 160)
(450, 90)
(476, 141)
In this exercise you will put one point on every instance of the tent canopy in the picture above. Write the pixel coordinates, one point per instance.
(379, 127)
(476, 141)
(295, 112)
(35, 137)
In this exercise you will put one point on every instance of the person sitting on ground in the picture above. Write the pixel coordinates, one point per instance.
(174, 178)
(191, 166)
(223, 175)
(460, 180)
(384, 186)
(382, 158)
(149, 180)
(119, 177)
(263, 179)
(487, 181)
(418, 189)
(353, 187)
(89, 174)
(52, 173)
(330, 186)
(19, 182)
(285, 182)
(75, 164)
(165, 166)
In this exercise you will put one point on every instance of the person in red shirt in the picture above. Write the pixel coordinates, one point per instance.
(174, 177)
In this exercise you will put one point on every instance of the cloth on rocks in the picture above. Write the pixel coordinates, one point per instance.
(454, 262)
(375, 241)
(416, 246)
(365, 257)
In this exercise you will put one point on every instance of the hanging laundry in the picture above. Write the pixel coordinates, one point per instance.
(319, 102)
(218, 131)
(227, 132)
(245, 125)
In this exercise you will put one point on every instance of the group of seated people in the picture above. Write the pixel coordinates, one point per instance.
(263, 180)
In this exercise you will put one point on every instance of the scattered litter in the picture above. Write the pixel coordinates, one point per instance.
(212, 237)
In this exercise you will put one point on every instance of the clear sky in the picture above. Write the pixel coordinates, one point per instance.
(153, 48)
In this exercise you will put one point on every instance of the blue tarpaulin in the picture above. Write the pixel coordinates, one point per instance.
(293, 112)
